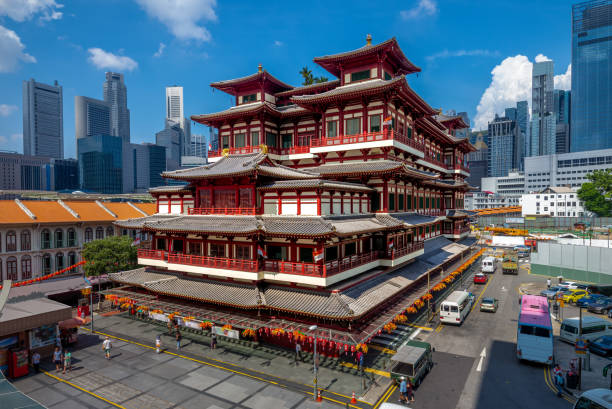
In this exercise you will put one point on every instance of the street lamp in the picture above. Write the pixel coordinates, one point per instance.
(90, 288)
(314, 360)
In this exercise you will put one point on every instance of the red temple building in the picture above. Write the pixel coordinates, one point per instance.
(317, 204)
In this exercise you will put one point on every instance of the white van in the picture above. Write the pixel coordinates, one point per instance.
(592, 328)
(595, 399)
(489, 265)
(456, 307)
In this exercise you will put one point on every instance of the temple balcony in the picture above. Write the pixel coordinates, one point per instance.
(367, 140)
(461, 169)
(458, 232)
(292, 153)
(431, 162)
(319, 274)
(228, 211)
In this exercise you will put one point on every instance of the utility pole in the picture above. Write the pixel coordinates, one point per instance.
(580, 358)
(314, 361)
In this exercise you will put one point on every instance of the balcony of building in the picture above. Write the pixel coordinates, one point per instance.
(321, 273)
(456, 232)
(226, 211)
(287, 153)
(368, 140)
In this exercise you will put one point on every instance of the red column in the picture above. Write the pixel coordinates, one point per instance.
(169, 204)
(319, 203)
(386, 195)
(299, 203)
(341, 121)
(323, 127)
(360, 203)
(280, 203)
(157, 205)
(331, 202)
(237, 199)
(351, 199)
(231, 141)
(212, 197)
(181, 196)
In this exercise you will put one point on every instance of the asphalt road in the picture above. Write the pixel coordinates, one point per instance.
(460, 380)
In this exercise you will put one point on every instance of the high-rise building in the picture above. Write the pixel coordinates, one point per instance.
(504, 146)
(172, 139)
(542, 125)
(562, 110)
(199, 146)
(510, 113)
(91, 117)
(143, 165)
(478, 161)
(43, 123)
(522, 119)
(175, 116)
(115, 94)
(65, 174)
(100, 163)
(591, 118)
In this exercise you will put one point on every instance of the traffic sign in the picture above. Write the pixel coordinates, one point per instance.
(581, 346)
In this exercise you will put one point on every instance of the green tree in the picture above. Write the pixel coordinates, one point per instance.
(597, 194)
(309, 78)
(109, 255)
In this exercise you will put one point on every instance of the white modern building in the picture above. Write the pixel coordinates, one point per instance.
(488, 200)
(511, 185)
(43, 123)
(175, 115)
(115, 94)
(91, 117)
(560, 201)
(567, 169)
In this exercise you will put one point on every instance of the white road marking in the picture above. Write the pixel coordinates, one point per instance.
(414, 334)
(504, 288)
(483, 355)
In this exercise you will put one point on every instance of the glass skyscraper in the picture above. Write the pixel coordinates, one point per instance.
(591, 101)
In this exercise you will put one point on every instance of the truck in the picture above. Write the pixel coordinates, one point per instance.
(510, 263)
(413, 361)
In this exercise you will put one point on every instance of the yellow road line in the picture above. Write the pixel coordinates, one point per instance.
(84, 390)
(481, 294)
(551, 385)
(420, 327)
(439, 327)
(227, 369)
(385, 396)
(371, 370)
(382, 349)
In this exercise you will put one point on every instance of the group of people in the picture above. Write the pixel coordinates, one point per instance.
(61, 360)
(359, 357)
(406, 391)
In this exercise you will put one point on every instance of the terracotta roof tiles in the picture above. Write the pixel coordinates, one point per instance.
(90, 211)
(11, 213)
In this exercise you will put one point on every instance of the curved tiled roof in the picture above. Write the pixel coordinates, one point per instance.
(315, 184)
(171, 189)
(360, 88)
(367, 168)
(308, 88)
(211, 224)
(296, 226)
(228, 85)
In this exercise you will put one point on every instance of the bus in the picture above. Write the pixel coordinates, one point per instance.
(534, 339)
(456, 307)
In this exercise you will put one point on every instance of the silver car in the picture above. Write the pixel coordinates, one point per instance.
(488, 304)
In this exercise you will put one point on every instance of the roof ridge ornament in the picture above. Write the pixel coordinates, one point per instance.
(260, 68)
(368, 39)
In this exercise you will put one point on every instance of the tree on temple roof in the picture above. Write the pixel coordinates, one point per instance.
(309, 79)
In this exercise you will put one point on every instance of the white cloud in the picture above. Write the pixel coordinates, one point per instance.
(6, 110)
(278, 43)
(564, 81)
(183, 18)
(160, 50)
(423, 8)
(462, 53)
(11, 51)
(541, 58)
(511, 82)
(102, 59)
(20, 10)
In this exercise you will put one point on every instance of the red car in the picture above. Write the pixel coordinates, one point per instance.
(480, 278)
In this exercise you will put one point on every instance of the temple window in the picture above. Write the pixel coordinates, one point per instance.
(306, 255)
(350, 249)
(254, 138)
(374, 123)
(225, 198)
(205, 199)
(195, 248)
(391, 201)
(331, 253)
(271, 139)
(360, 75)
(249, 98)
(161, 243)
(353, 126)
(246, 197)
(277, 252)
(303, 140)
(217, 250)
(388, 76)
(243, 252)
(225, 142)
(332, 129)
(240, 140)
(409, 202)
(287, 141)
(400, 205)
(420, 202)
(177, 245)
(365, 244)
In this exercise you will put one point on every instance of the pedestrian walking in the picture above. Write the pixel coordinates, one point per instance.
(158, 344)
(403, 388)
(36, 361)
(360, 360)
(548, 283)
(178, 340)
(169, 327)
(57, 359)
(67, 361)
(409, 392)
(213, 340)
(298, 352)
(106, 346)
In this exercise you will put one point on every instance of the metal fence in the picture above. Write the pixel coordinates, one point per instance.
(544, 223)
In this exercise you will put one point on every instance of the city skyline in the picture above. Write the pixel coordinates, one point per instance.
(171, 56)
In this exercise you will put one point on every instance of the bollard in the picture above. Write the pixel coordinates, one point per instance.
(587, 361)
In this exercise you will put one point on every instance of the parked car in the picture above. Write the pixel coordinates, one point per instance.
(601, 346)
(488, 304)
(480, 278)
(568, 285)
(589, 299)
(551, 292)
(572, 296)
(601, 306)
(582, 287)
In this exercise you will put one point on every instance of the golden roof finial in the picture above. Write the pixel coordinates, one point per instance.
(369, 39)
(259, 68)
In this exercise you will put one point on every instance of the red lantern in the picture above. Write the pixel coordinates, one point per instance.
(352, 349)
(332, 344)
(379, 331)
(310, 339)
(346, 347)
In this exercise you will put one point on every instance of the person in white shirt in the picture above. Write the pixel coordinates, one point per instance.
(106, 346)
(548, 283)
(36, 361)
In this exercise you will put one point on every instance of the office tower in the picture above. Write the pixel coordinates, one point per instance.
(143, 165)
(65, 174)
(591, 102)
(510, 113)
(213, 139)
(562, 111)
(172, 139)
(522, 119)
(43, 123)
(504, 146)
(478, 161)
(115, 94)
(542, 123)
(100, 163)
(175, 116)
(91, 117)
(199, 146)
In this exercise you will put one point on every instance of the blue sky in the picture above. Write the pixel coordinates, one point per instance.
(475, 55)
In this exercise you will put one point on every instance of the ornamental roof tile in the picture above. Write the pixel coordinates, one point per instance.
(456, 214)
(374, 85)
(308, 88)
(315, 184)
(235, 111)
(349, 227)
(138, 222)
(228, 85)
(171, 189)
(238, 165)
(297, 226)
(211, 224)
(369, 167)
(415, 219)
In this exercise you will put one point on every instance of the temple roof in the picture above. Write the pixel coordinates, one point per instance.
(454, 122)
(242, 225)
(305, 89)
(369, 168)
(315, 184)
(236, 112)
(260, 77)
(390, 48)
(455, 214)
(238, 165)
(171, 189)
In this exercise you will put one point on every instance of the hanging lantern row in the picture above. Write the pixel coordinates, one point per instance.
(45, 277)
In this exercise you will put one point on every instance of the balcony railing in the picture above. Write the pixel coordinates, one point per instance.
(383, 135)
(456, 231)
(431, 159)
(288, 267)
(398, 253)
(464, 168)
(248, 211)
(347, 263)
(213, 262)
(235, 151)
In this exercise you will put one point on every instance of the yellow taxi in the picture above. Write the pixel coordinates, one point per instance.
(574, 295)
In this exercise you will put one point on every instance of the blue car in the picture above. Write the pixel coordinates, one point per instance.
(601, 346)
(551, 292)
(589, 299)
